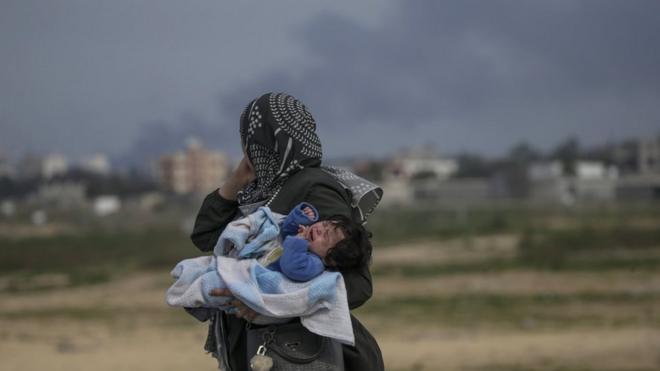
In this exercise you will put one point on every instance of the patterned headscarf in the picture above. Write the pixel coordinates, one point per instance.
(279, 136)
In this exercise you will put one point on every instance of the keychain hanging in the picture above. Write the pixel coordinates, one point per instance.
(260, 361)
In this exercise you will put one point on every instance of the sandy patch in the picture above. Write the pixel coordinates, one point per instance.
(598, 350)
(520, 282)
(449, 251)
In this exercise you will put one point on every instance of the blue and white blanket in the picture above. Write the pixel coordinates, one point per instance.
(321, 302)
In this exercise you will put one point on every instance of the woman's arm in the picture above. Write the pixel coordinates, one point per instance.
(220, 207)
(213, 216)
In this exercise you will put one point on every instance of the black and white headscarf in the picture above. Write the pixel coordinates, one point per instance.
(279, 136)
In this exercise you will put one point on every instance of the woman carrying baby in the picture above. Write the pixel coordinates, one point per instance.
(282, 168)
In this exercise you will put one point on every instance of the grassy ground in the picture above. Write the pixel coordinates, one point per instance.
(519, 289)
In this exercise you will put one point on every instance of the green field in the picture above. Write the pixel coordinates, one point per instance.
(504, 287)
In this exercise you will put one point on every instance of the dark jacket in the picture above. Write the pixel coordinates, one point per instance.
(318, 188)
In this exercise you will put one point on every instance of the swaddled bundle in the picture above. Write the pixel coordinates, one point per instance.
(244, 250)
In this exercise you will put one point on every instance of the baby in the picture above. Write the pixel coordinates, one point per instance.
(308, 247)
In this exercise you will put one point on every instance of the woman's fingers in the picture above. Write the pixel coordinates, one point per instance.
(243, 311)
(220, 292)
(240, 177)
(245, 171)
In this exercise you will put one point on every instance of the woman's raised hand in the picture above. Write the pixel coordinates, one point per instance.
(239, 178)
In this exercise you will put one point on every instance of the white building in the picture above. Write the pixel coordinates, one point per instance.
(106, 205)
(6, 169)
(416, 176)
(593, 181)
(541, 171)
(97, 164)
(54, 164)
(421, 163)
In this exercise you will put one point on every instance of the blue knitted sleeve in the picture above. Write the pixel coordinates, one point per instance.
(297, 263)
(297, 217)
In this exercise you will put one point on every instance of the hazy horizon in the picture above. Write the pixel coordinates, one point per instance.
(131, 79)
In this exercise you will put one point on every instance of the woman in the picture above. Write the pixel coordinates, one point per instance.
(281, 167)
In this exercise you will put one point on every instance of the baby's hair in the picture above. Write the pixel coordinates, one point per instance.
(354, 251)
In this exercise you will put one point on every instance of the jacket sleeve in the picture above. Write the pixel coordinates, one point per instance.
(358, 287)
(212, 218)
(297, 263)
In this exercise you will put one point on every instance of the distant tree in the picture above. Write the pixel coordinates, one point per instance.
(602, 153)
(472, 166)
(523, 153)
(131, 183)
(424, 175)
(513, 169)
(371, 170)
(15, 188)
(568, 153)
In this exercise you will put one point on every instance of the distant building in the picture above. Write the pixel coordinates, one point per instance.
(195, 170)
(639, 188)
(638, 157)
(62, 195)
(548, 183)
(639, 161)
(418, 175)
(97, 164)
(39, 217)
(593, 181)
(396, 192)
(7, 208)
(29, 167)
(463, 191)
(33, 166)
(54, 164)
(420, 163)
(6, 169)
(649, 156)
(106, 205)
(541, 171)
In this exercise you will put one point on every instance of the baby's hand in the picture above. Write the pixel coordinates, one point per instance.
(303, 232)
(309, 212)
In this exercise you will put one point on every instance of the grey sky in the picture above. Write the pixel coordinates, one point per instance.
(85, 76)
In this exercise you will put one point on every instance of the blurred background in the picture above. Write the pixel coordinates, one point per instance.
(517, 143)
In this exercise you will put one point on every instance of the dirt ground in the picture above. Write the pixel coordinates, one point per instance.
(65, 346)
(125, 324)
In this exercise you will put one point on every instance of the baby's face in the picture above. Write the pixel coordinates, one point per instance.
(322, 236)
